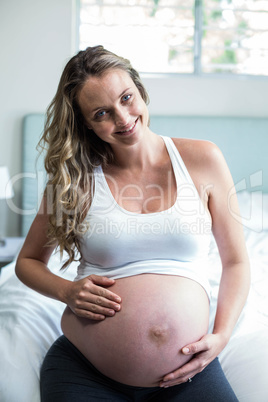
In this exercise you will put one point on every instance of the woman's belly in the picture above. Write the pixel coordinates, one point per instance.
(142, 342)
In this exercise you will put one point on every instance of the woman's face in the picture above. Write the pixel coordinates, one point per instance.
(113, 108)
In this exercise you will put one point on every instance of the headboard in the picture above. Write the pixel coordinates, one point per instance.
(33, 172)
(243, 141)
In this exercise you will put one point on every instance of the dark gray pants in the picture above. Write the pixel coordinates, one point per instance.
(67, 376)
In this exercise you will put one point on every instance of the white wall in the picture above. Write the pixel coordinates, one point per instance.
(36, 39)
(208, 96)
(35, 42)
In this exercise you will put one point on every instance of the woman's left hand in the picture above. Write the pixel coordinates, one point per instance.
(203, 352)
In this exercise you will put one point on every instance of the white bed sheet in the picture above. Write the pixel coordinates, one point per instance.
(245, 358)
(29, 323)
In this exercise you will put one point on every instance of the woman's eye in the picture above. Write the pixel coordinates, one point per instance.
(101, 113)
(126, 97)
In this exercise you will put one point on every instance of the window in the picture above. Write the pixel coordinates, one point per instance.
(181, 36)
(235, 37)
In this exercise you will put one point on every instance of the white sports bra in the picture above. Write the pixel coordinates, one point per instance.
(120, 243)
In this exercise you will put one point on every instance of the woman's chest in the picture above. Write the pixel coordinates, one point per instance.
(146, 192)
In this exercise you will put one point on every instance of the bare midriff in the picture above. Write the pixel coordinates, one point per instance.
(159, 315)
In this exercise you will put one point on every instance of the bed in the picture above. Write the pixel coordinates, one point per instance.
(30, 322)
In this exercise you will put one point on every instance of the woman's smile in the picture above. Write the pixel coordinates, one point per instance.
(129, 129)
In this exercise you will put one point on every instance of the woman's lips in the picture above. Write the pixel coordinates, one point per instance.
(129, 130)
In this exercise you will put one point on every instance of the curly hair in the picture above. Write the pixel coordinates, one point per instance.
(71, 153)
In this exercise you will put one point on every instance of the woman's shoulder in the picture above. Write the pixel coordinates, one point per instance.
(190, 145)
(198, 152)
(203, 159)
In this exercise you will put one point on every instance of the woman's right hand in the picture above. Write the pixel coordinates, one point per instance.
(89, 298)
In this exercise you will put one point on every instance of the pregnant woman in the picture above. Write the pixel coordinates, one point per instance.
(139, 210)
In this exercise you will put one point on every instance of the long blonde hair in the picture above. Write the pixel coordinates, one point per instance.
(72, 150)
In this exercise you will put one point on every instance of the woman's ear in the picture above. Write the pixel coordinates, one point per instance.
(85, 124)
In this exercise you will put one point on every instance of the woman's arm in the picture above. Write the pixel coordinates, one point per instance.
(235, 279)
(228, 233)
(87, 298)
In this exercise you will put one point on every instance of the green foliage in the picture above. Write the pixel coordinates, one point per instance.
(155, 7)
(172, 54)
(215, 14)
(227, 57)
(242, 26)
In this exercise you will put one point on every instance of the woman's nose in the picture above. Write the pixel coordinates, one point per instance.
(121, 116)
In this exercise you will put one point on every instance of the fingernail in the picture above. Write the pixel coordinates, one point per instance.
(117, 307)
(186, 350)
(111, 312)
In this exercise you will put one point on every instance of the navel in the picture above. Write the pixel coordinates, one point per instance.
(159, 334)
